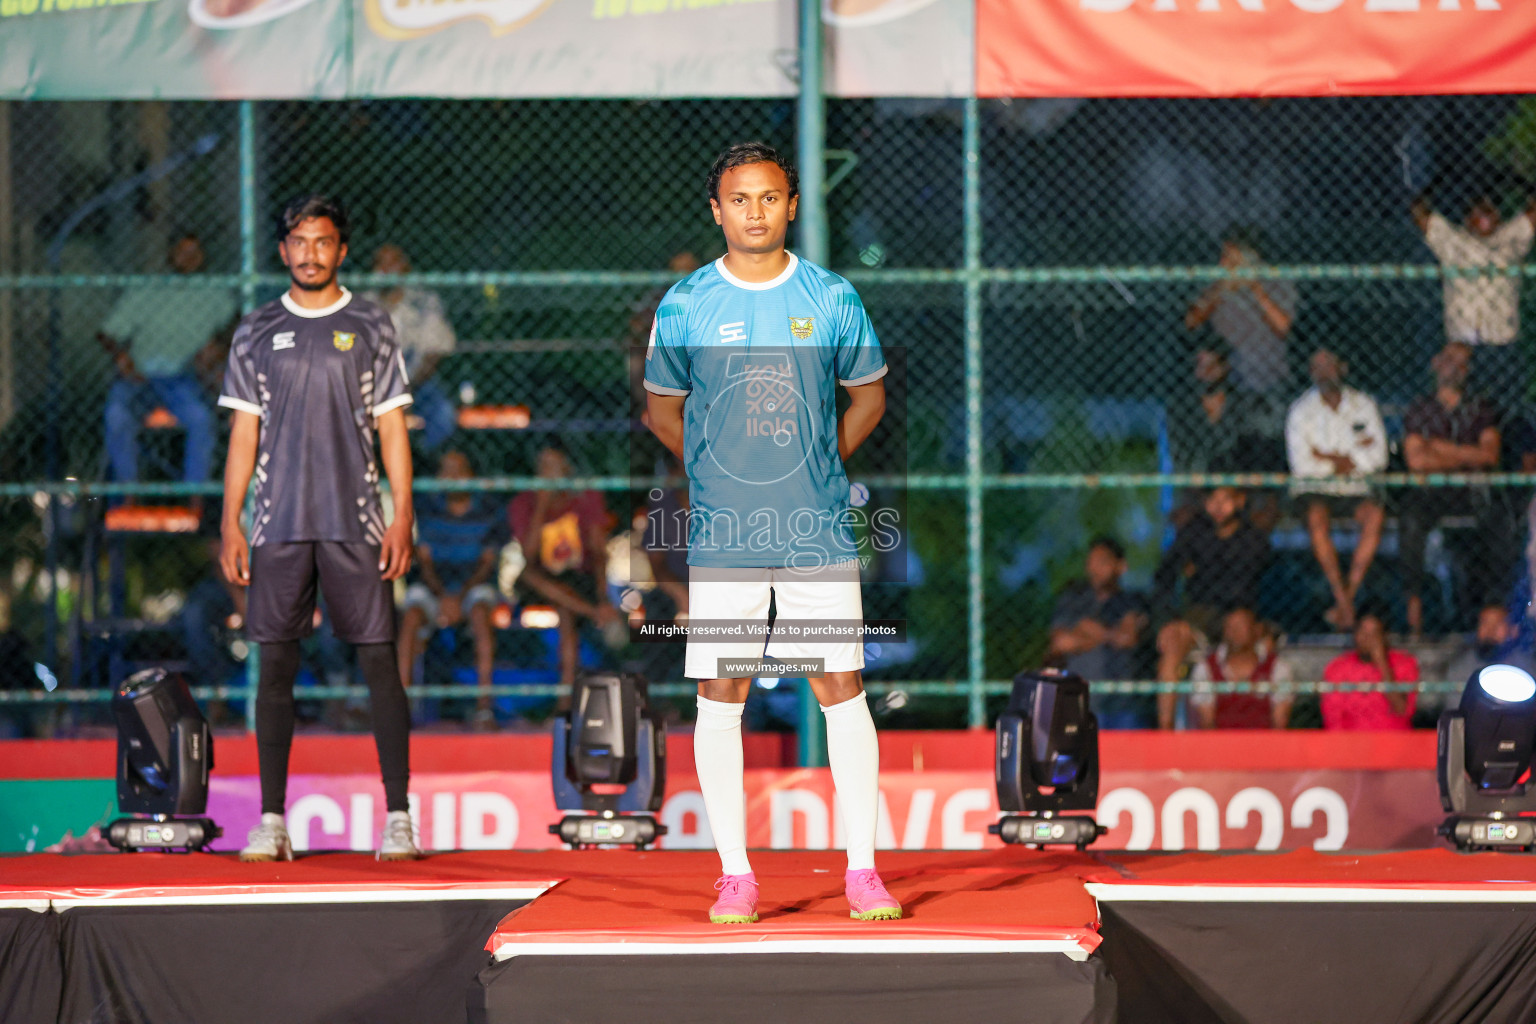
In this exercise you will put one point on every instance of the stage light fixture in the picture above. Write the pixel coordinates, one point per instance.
(1047, 762)
(164, 756)
(1483, 762)
(609, 762)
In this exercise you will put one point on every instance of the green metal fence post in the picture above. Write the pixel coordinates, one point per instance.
(248, 303)
(811, 139)
(975, 609)
(811, 216)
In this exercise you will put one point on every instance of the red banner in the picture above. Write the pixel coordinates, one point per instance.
(1253, 47)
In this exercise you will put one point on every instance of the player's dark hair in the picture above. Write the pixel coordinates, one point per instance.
(302, 208)
(744, 153)
(1244, 236)
(1373, 608)
(1108, 543)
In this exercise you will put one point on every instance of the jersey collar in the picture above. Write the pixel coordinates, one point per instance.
(759, 286)
(315, 314)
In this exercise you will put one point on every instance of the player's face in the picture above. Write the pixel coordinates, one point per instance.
(754, 208)
(312, 252)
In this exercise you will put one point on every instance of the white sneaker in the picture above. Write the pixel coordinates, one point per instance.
(268, 841)
(399, 839)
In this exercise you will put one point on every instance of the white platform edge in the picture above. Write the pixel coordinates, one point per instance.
(40, 906)
(1132, 893)
(280, 898)
(1068, 948)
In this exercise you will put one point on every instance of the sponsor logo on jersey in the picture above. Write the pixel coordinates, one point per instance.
(343, 340)
(733, 332)
(802, 326)
(282, 340)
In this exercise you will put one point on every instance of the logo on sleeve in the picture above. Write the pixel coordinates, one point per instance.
(343, 340)
(733, 332)
(282, 340)
(802, 326)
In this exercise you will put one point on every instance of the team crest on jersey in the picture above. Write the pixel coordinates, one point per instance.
(343, 340)
(802, 326)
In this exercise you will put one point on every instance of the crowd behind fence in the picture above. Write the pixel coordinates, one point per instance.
(1268, 354)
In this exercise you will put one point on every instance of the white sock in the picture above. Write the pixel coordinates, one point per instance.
(722, 778)
(853, 753)
(274, 819)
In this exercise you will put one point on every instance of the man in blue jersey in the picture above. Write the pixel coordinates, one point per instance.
(742, 371)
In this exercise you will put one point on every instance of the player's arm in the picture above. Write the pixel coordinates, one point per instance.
(666, 419)
(484, 570)
(866, 406)
(234, 553)
(395, 447)
(428, 571)
(1420, 210)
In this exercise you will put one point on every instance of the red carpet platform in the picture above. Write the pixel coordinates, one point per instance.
(1012, 934)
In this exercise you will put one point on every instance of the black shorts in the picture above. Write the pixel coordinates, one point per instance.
(280, 605)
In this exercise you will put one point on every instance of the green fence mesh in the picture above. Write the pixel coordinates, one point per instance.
(1128, 270)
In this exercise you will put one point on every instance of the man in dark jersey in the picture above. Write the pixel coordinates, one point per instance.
(311, 377)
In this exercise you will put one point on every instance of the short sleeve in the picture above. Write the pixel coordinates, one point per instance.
(667, 366)
(241, 390)
(859, 359)
(1514, 237)
(1282, 676)
(391, 385)
(126, 318)
(1442, 238)
(435, 334)
(1201, 692)
(1069, 609)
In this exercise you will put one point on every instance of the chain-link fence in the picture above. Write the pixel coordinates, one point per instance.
(1104, 308)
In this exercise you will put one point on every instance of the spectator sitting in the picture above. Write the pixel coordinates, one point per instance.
(458, 539)
(1096, 630)
(1335, 431)
(1252, 316)
(1485, 647)
(1246, 655)
(1372, 661)
(564, 536)
(1451, 431)
(1218, 557)
(161, 337)
(425, 337)
(1218, 428)
(1483, 310)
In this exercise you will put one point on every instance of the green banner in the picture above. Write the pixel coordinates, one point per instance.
(36, 813)
(174, 49)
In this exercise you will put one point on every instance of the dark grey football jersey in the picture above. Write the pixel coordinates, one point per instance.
(318, 379)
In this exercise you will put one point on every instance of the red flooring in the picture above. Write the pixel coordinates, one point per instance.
(995, 895)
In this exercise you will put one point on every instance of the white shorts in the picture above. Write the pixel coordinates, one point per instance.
(417, 595)
(830, 594)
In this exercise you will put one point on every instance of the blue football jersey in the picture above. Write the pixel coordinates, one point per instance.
(760, 364)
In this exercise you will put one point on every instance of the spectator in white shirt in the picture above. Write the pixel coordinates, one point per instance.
(425, 337)
(1483, 310)
(1334, 436)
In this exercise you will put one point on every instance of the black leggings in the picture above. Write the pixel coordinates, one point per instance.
(274, 721)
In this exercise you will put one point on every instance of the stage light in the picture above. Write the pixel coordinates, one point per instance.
(609, 762)
(164, 755)
(1484, 759)
(1047, 762)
